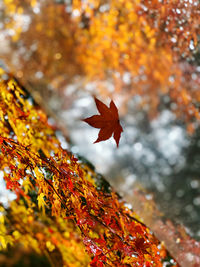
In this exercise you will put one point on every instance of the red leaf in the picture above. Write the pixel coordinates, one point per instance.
(107, 122)
(70, 184)
(50, 230)
(98, 261)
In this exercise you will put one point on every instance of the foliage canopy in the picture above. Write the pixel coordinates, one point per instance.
(145, 48)
(61, 203)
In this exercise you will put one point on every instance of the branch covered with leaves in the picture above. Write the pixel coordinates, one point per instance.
(60, 197)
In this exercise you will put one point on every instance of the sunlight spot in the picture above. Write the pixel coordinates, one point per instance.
(196, 201)
(191, 45)
(173, 39)
(194, 184)
(138, 146)
(75, 13)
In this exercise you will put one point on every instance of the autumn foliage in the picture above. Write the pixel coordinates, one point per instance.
(141, 50)
(61, 203)
(145, 48)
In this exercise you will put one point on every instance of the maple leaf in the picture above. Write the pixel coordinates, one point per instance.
(108, 122)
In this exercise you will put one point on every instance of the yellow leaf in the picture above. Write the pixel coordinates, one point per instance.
(41, 202)
(16, 234)
(50, 246)
(3, 242)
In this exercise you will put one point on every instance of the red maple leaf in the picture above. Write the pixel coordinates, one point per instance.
(108, 121)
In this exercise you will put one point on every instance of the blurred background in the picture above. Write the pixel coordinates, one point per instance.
(144, 56)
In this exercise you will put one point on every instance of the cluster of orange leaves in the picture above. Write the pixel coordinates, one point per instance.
(73, 203)
(141, 47)
(147, 40)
